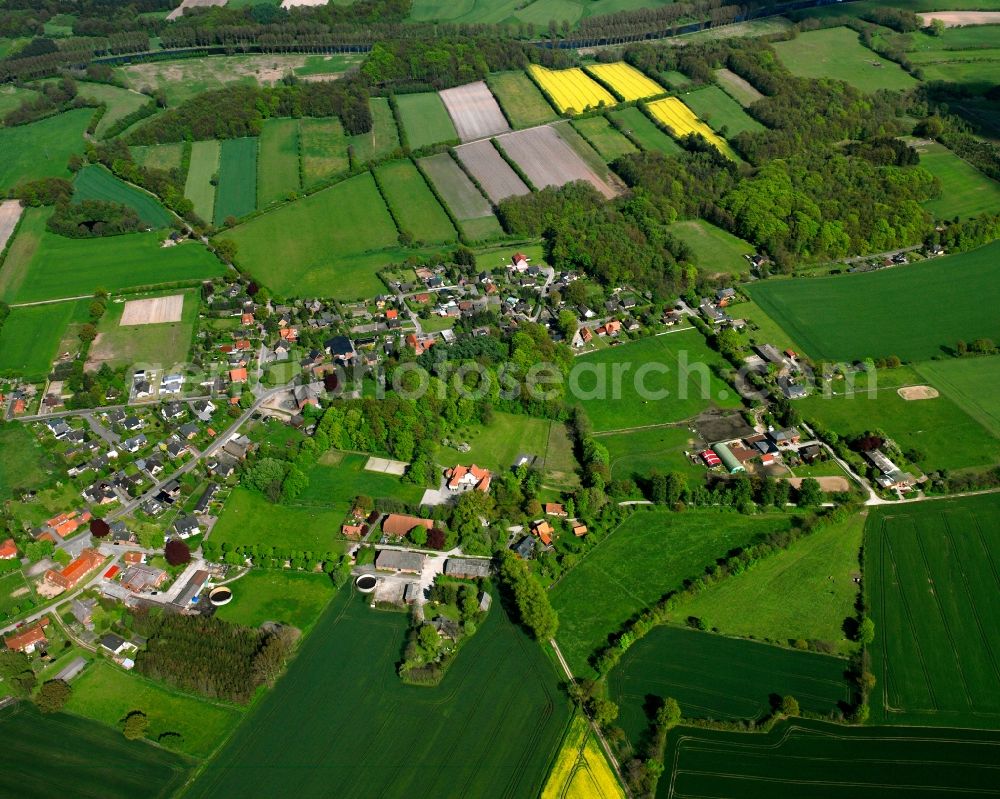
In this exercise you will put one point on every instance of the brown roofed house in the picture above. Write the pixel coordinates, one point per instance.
(398, 525)
(26, 640)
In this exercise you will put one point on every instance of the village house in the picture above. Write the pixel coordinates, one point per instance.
(579, 530)
(889, 474)
(8, 550)
(398, 525)
(543, 530)
(186, 526)
(83, 611)
(467, 478)
(340, 349)
(68, 577)
(143, 578)
(30, 638)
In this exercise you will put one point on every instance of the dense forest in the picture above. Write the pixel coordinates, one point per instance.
(92, 218)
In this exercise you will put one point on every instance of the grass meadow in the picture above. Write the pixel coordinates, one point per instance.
(30, 338)
(248, 519)
(604, 138)
(278, 164)
(159, 156)
(965, 191)
(199, 188)
(383, 138)
(931, 583)
(350, 728)
(94, 182)
(650, 554)
(971, 383)
(236, 194)
(639, 452)
(716, 251)
(425, 119)
(496, 445)
(120, 102)
(338, 477)
(413, 204)
(323, 147)
(25, 464)
(522, 103)
(166, 344)
(649, 136)
(877, 314)
(42, 149)
(288, 597)
(721, 111)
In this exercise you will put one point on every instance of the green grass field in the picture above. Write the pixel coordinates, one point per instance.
(94, 182)
(717, 251)
(561, 467)
(25, 464)
(12, 96)
(14, 593)
(761, 328)
(639, 452)
(973, 384)
(35, 760)
(107, 693)
(965, 191)
(537, 13)
(383, 138)
(814, 760)
(652, 553)
(341, 723)
(696, 669)
(608, 142)
(289, 597)
(649, 136)
(120, 102)
(199, 188)
(323, 147)
(339, 477)
(248, 519)
(320, 64)
(45, 266)
(30, 339)
(838, 53)
(473, 211)
(742, 91)
(520, 99)
(931, 581)
(237, 191)
(804, 592)
(877, 314)
(322, 239)
(675, 80)
(166, 344)
(721, 111)
(42, 149)
(689, 383)
(425, 119)
(499, 443)
(278, 165)
(159, 156)
(413, 203)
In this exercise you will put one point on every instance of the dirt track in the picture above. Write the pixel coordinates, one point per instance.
(474, 111)
(918, 392)
(952, 19)
(830, 484)
(10, 212)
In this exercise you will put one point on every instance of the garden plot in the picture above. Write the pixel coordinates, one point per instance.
(474, 111)
(10, 212)
(548, 160)
(494, 174)
(153, 311)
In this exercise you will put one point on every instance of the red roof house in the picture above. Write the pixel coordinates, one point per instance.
(464, 478)
(27, 640)
(8, 550)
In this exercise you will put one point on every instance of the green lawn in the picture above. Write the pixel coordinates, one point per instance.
(289, 597)
(649, 136)
(413, 204)
(320, 64)
(608, 142)
(804, 592)
(120, 102)
(675, 80)
(341, 723)
(248, 519)
(425, 119)
(94, 182)
(520, 99)
(199, 188)
(159, 156)
(323, 240)
(14, 590)
(278, 166)
(721, 111)
(107, 693)
(383, 138)
(166, 344)
(339, 477)
(761, 328)
(236, 195)
(838, 53)
(715, 250)
(877, 314)
(30, 339)
(681, 383)
(662, 449)
(42, 149)
(324, 149)
(499, 443)
(965, 191)
(971, 383)
(651, 554)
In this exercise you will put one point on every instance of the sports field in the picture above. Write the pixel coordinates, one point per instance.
(248, 519)
(324, 149)
(413, 204)
(338, 477)
(877, 314)
(352, 729)
(520, 99)
(320, 238)
(716, 251)
(285, 596)
(651, 554)
(649, 136)
(816, 760)
(237, 191)
(43, 148)
(278, 164)
(965, 191)
(425, 119)
(465, 201)
(199, 188)
(838, 53)
(159, 156)
(165, 343)
(30, 337)
(572, 91)
(971, 383)
(382, 138)
(581, 770)
(640, 452)
(932, 585)
(682, 121)
(36, 762)
(120, 102)
(681, 382)
(94, 182)
(721, 111)
(604, 138)
(625, 81)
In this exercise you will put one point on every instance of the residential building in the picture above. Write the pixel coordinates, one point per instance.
(398, 525)
(467, 478)
(29, 638)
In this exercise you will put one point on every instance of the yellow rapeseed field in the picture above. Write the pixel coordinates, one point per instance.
(571, 89)
(682, 121)
(626, 81)
(581, 771)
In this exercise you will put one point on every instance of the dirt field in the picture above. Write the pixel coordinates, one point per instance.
(953, 19)
(742, 90)
(193, 4)
(917, 392)
(153, 311)
(10, 212)
(385, 466)
(474, 111)
(547, 160)
(831, 485)
(494, 174)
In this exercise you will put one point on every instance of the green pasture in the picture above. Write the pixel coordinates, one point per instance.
(473, 211)
(716, 251)
(383, 138)
(413, 204)
(604, 138)
(278, 164)
(498, 444)
(25, 465)
(971, 383)
(42, 149)
(249, 519)
(236, 195)
(649, 136)
(425, 119)
(166, 343)
(640, 452)
(288, 597)
(12, 96)
(520, 99)
(120, 103)
(201, 177)
(965, 191)
(324, 149)
(159, 156)
(29, 339)
(339, 477)
(721, 111)
(94, 182)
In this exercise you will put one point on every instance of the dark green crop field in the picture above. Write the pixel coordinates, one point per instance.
(237, 192)
(96, 183)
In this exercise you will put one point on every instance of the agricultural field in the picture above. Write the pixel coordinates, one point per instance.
(288, 597)
(501, 681)
(323, 239)
(248, 519)
(159, 156)
(520, 99)
(609, 143)
(971, 383)
(561, 467)
(497, 445)
(805, 592)
(877, 314)
(640, 452)
(381, 139)
(413, 204)
(676, 116)
(625, 81)
(687, 387)
(94, 182)
(717, 251)
(120, 102)
(425, 119)
(761, 328)
(826, 761)
(278, 162)
(931, 583)
(41, 149)
(25, 465)
(580, 769)
(236, 194)
(472, 210)
(969, 55)
(323, 147)
(838, 53)
(166, 343)
(494, 174)
(29, 339)
(572, 91)
(649, 136)
(339, 477)
(675, 80)
(36, 762)
(721, 111)
(321, 64)
(545, 157)
(741, 90)
(651, 553)
(965, 191)
(200, 186)
(474, 111)
(536, 14)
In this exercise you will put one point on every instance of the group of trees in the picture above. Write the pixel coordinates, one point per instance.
(59, 95)
(93, 218)
(534, 609)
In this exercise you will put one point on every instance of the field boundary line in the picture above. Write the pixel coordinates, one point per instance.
(51, 302)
